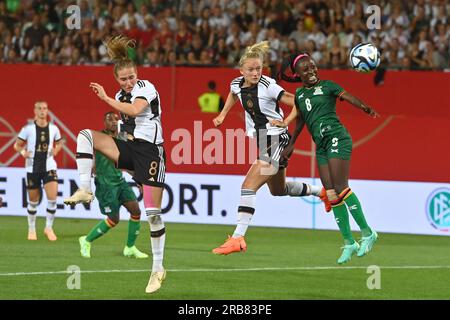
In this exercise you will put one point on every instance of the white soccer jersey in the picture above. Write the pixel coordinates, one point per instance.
(260, 103)
(146, 125)
(39, 142)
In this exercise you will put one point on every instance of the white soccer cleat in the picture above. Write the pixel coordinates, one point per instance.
(155, 281)
(80, 196)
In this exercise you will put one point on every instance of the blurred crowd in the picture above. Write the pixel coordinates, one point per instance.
(412, 34)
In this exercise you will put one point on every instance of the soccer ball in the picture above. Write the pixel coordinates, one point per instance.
(364, 57)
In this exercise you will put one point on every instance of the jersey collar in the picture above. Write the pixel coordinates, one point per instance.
(312, 85)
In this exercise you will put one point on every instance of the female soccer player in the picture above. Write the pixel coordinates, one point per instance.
(316, 106)
(35, 143)
(260, 95)
(143, 152)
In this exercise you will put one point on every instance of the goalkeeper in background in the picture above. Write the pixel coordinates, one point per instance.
(112, 191)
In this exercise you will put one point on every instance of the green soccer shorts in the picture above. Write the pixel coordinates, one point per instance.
(336, 144)
(110, 197)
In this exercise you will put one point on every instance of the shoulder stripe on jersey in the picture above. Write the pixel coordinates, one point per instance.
(264, 82)
(236, 80)
(264, 78)
(141, 83)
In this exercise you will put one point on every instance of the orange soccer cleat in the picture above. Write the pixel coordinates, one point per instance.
(231, 245)
(323, 196)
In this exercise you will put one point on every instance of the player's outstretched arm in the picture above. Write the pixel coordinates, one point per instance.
(231, 101)
(359, 104)
(129, 109)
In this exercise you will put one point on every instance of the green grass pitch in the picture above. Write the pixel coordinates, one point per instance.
(286, 264)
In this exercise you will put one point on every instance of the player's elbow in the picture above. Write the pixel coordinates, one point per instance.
(16, 147)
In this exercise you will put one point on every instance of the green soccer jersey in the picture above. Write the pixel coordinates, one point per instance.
(106, 171)
(318, 107)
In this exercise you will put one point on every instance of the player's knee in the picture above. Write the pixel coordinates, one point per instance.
(135, 215)
(135, 212)
(32, 207)
(113, 220)
(248, 186)
(339, 188)
(340, 197)
(278, 192)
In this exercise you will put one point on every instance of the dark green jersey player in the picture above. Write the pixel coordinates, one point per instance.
(109, 174)
(315, 105)
(112, 191)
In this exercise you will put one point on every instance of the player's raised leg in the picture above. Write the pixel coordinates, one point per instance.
(87, 142)
(278, 186)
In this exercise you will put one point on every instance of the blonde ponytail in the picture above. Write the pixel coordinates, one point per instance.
(117, 49)
(256, 51)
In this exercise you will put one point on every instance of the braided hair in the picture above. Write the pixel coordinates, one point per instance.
(287, 71)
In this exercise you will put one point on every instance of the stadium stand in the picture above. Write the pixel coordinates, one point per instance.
(413, 35)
